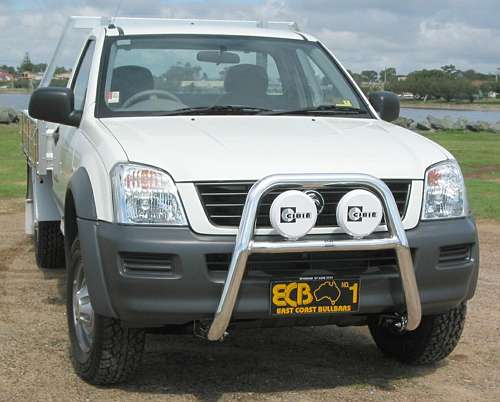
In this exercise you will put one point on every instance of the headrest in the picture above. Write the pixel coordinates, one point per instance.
(130, 80)
(246, 78)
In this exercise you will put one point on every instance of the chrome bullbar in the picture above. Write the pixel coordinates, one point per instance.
(246, 245)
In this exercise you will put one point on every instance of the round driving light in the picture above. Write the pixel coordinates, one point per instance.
(293, 214)
(359, 212)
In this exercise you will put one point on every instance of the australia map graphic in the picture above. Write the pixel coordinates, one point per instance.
(327, 291)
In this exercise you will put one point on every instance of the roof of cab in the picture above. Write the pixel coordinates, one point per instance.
(152, 26)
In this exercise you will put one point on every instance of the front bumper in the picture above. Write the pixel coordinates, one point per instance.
(189, 292)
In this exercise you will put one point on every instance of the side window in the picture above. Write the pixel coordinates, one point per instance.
(81, 80)
(313, 76)
(325, 85)
(275, 85)
(64, 59)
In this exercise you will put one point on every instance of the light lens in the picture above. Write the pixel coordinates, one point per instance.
(144, 195)
(444, 192)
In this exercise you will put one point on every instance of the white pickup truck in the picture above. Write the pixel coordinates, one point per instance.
(210, 175)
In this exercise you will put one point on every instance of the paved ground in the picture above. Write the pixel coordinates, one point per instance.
(292, 365)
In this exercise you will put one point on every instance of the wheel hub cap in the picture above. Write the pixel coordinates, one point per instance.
(83, 313)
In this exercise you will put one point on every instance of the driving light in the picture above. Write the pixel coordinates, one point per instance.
(444, 192)
(145, 195)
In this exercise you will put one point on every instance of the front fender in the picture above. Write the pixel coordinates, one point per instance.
(83, 195)
(82, 210)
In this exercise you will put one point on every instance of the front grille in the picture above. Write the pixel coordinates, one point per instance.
(454, 254)
(293, 265)
(223, 202)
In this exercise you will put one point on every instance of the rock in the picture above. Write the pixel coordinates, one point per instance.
(495, 128)
(424, 126)
(8, 115)
(472, 126)
(435, 123)
(448, 123)
(460, 124)
(478, 126)
(14, 114)
(4, 116)
(413, 125)
(440, 124)
(403, 122)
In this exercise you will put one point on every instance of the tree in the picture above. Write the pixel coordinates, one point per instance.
(369, 75)
(356, 77)
(8, 69)
(475, 75)
(61, 70)
(181, 72)
(438, 84)
(39, 68)
(451, 70)
(26, 64)
(388, 75)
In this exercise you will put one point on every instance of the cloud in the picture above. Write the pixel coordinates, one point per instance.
(364, 34)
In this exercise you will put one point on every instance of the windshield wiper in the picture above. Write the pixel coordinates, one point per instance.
(326, 109)
(216, 109)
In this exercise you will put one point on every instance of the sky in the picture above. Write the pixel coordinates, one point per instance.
(364, 34)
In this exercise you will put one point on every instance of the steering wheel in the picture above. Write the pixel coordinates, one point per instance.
(139, 96)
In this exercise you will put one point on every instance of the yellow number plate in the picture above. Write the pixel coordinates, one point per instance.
(318, 295)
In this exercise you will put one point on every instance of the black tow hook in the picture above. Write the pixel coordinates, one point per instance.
(396, 322)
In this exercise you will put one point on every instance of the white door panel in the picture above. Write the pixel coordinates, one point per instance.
(63, 160)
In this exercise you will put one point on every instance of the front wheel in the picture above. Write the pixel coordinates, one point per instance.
(435, 338)
(102, 351)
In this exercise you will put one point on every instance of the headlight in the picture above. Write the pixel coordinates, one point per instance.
(144, 195)
(444, 192)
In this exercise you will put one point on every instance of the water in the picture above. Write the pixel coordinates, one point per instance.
(470, 115)
(16, 101)
(20, 101)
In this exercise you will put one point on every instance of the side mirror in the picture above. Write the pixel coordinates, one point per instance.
(386, 104)
(54, 104)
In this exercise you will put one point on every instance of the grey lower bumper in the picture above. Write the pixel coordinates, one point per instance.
(191, 293)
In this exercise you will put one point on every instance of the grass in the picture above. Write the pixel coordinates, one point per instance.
(12, 163)
(484, 101)
(478, 154)
(483, 104)
(479, 157)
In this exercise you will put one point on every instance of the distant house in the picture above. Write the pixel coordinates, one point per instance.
(63, 76)
(401, 77)
(28, 75)
(6, 77)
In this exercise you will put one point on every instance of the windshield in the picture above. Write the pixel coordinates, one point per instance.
(167, 75)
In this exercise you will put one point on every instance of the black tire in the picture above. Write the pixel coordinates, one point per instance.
(432, 341)
(49, 245)
(115, 352)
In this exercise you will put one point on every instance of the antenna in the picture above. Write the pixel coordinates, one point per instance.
(118, 7)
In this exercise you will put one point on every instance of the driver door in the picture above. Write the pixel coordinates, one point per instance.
(64, 136)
